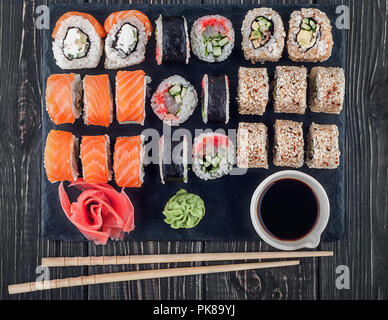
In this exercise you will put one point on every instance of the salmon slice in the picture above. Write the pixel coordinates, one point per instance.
(120, 15)
(130, 96)
(96, 25)
(60, 156)
(95, 158)
(127, 162)
(63, 97)
(98, 102)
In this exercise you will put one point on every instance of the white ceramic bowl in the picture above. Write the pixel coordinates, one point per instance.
(313, 238)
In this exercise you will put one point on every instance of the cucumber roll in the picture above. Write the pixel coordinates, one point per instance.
(262, 35)
(174, 100)
(173, 165)
(215, 97)
(78, 41)
(172, 40)
(212, 38)
(213, 156)
(309, 36)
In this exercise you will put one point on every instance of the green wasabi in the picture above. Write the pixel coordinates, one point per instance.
(184, 210)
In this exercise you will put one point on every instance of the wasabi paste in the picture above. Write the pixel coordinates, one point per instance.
(184, 210)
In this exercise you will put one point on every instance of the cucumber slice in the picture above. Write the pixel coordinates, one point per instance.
(255, 26)
(255, 35)
(215, 43)
(264, 25)
(178, 98)
(313, 24)
(217, 51)
(184, 90)
(306, 20)
(209, 47)
(175, 90)
(306, 27)
(223, 42)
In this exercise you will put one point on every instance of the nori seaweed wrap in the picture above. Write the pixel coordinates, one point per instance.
(215, 97)
(173, 160)
(172, 40)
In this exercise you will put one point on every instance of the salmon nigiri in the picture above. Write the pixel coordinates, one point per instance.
(131, 89)
(95, 158)
(60, 156)
(63, 97)
(128, 162)
(128, 35)
(98, 101)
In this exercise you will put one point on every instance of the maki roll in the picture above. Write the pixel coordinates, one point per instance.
(61, 156)
(173, 160)
(253, 88)
(290, 90)
(172, 40)
(252, 145)
(95, 158)
(212, 38)
(174, 100)
(64, 97)
(215, 96)
(262, 35)
(327, 90)
(288, 144)
(309, 36)
(128, 161)
(98, 100)
(213, 156)
(78, 41)
(128, 35)
(322, 147)
(131, 91)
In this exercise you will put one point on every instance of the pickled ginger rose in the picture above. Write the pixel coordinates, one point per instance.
(100, 212)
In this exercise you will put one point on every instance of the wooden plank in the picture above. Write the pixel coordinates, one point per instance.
(362, 250)
(21, 246)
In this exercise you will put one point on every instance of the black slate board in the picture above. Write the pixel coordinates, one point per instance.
(227, 199)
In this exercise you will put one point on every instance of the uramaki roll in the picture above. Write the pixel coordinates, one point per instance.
(78, 41)
(309, 36)
(262, 35)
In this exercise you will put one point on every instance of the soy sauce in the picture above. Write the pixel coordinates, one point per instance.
(288, 209)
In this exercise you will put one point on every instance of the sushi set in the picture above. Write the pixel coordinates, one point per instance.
(160, 122)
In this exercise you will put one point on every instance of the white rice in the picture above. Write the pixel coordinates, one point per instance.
(92, 59)
(112, 58)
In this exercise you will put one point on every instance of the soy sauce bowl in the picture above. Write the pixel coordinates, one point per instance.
(313, 237)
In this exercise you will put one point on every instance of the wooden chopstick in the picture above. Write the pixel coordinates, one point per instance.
(175, 258)
(141, 275)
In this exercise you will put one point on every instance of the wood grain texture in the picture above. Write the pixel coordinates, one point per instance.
(363, 248)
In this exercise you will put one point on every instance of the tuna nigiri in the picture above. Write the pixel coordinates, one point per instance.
(98, 101)
(63, 97)
(95, 158)
(128, 162)
(131, 89)
(60, 156)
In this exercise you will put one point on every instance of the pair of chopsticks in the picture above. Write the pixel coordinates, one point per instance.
(159, 273)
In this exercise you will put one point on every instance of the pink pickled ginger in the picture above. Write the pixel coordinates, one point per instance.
(100, 212)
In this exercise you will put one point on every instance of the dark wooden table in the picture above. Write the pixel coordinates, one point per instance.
(363, 248)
